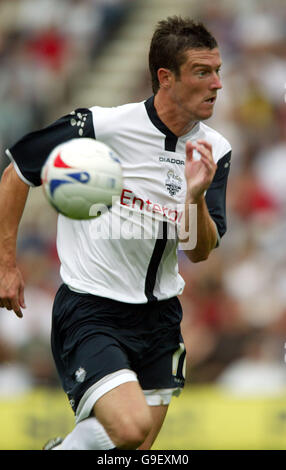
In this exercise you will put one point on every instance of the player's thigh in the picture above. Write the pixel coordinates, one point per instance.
(158, 414)
(125, 415)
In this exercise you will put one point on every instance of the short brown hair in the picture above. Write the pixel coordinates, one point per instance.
(171, 39)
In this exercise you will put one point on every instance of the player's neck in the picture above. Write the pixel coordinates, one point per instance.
(172, 116)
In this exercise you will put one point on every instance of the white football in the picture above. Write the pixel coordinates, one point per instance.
(79, 174)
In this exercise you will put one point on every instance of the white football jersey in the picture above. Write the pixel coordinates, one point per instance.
(129, 253)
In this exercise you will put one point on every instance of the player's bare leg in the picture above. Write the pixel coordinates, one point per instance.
(158, 416)
(125, 415)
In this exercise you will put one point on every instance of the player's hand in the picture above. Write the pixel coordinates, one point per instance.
(12, 290)
(199, 173)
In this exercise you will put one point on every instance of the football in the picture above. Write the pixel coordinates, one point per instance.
(79, 174)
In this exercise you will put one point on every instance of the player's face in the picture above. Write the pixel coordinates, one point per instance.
(195, 90)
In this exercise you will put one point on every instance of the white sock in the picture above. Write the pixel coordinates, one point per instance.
(89, 434)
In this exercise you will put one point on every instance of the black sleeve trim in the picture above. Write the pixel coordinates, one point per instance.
(216, 194)
(30, 153)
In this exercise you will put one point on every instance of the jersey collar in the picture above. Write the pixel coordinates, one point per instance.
(171, 139)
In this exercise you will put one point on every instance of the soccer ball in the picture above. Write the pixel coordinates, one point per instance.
(79, 174)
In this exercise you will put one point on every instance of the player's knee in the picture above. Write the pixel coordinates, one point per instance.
(133, 430)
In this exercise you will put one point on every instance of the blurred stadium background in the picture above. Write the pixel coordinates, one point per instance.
(58, 55)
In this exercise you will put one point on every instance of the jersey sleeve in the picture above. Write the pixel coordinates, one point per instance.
(216, 194)
(30, 153)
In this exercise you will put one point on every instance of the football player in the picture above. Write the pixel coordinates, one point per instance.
(116, 335)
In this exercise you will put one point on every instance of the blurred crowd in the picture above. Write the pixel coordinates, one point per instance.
(45, 45)
(235, 303)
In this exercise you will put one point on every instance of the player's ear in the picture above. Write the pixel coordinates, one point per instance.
(165, 77)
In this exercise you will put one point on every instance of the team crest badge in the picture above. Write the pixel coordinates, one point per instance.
(80, 375)
(173, 183)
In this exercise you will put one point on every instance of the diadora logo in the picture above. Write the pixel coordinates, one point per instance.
(174, 161)
(79, 120)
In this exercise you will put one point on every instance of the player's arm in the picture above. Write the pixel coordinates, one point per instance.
(199, 175)
(13, 196)
(28, 156)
